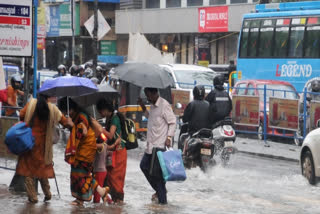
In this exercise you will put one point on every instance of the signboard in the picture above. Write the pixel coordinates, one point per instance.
(16, 28)
(5, 124)
(65, 20)
(53, 21)
(204, 63)
(108, 47)
(103, 26)
(246, 110)
(2, 77)
(283, 113)
(41, 21)
(213, 19)
(182, 97)
(54, 1)
(314, 114)
(41, 43)
(111, 59)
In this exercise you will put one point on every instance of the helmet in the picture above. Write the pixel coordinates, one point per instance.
(62, 67)
(16, 79)
(98, 68)
(218, 80)
(198, 92)
(315, 86)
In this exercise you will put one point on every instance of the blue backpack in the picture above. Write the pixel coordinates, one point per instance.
(19, 138)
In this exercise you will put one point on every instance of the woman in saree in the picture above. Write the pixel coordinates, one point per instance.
(42, 116)
(80, 154)
(113, 128)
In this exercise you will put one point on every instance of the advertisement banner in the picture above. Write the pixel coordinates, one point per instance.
(65, 20)
(246, 110)
(213, 19)
(182, 97)
(53, 21)
(108, 47)
(16, 28)
(283, 113)
(41, 43)
(314, 114)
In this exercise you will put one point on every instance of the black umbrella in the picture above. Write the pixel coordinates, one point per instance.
(144, 75)
(104, 91)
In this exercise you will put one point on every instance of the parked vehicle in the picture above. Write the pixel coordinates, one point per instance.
(185, 77)
(200, 148)
(224, 69)
(310, 156)
(279, 89)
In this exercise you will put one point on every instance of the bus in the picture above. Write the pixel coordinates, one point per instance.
(281, 41)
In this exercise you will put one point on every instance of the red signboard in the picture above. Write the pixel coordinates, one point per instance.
(213, 19)
(41, 43)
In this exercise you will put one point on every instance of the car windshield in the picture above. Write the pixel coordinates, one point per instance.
(187, 78)
(277, 90)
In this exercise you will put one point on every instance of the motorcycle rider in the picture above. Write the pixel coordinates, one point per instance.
(62, 70)
(196, 113)
(13, 92)
(219, 100)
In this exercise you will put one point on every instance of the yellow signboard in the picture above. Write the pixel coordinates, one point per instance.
(314, 114)
(182, 97)
(283, 113)
(203, 63)
(245, 110)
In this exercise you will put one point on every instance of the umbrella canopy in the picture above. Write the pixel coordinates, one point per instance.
(67, 86)
(144, 75)
(104, 91)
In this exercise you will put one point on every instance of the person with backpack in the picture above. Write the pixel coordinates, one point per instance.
(219, 100)
(37, 163)
(13, 91)
(114, 129)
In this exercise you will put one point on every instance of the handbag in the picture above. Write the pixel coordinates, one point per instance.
(155, 169)
(111, 159)
(172, 165)
(19, 138)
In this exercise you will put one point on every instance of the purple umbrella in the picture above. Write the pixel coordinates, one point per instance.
(67, 86)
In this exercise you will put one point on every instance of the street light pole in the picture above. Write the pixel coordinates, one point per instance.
(72, 26)
(35, 50)
(95, 39)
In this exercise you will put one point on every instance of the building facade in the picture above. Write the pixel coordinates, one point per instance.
(197, 31)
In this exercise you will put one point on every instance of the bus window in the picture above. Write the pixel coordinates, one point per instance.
(281, 42)
(265, 42)
(253, 42)
(296, 41)
(312, 49)
(244, 42)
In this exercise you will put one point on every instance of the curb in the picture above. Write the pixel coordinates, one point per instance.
(269, 156)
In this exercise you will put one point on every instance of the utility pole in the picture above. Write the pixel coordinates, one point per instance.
(95, 38)
(72, 2)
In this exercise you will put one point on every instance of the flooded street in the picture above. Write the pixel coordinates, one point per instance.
(247, 185)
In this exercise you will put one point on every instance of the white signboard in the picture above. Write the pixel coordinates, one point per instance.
(103, 26)
(16, 28)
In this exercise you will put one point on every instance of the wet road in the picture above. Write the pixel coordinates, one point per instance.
(247, 185)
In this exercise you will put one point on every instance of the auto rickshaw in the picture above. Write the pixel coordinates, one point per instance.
(127, 104)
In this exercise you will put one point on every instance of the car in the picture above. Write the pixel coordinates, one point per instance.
(185, 77)
(255, 88)
(223, 69)
(310, 156)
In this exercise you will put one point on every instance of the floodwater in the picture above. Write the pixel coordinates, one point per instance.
(247, 185)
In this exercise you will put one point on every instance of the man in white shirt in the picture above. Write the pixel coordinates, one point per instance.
(161, 129)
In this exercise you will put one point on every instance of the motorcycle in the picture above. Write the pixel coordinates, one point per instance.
(200, 148)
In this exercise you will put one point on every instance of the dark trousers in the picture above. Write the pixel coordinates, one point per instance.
(158, 184)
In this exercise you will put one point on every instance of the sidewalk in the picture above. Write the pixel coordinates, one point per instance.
(277, 150)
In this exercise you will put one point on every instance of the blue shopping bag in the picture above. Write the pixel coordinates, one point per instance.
(172, 165)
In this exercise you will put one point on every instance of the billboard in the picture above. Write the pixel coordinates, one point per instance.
(16, 28)
(245, 110)
(213, 19)
(53, 21)
(283, 113)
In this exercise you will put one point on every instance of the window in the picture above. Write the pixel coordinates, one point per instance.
(241, 89)
(281, 42)
(195, 2)
(173, 3)
(253, 42)
(217, 2)
(296, 41)
(266, 38)
(238, 1)
(312, 41)
(244, 42)
(153, 4)
(251, 90)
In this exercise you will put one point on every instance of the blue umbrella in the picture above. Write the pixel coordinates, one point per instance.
(67, 86)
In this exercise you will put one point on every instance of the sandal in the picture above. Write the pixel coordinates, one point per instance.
(77, 202)
(105, 197)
